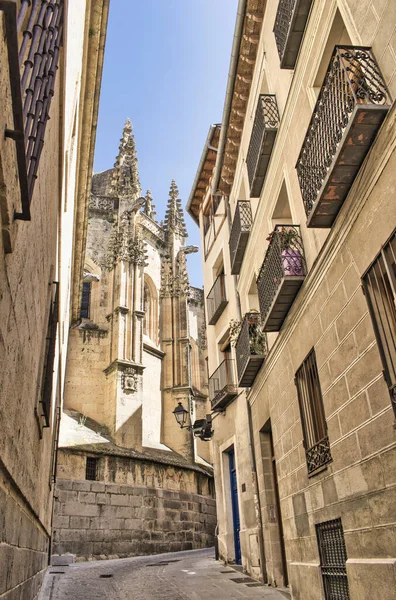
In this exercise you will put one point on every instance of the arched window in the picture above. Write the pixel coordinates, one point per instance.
(150, 307)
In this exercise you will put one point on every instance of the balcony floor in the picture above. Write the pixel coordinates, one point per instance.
(357, 139)
(217, 313)
(285, 296)
(295, 34)
(236, 260)
(250, 370)
(224, 397)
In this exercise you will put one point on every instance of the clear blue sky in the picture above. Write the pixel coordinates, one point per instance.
(166, 68)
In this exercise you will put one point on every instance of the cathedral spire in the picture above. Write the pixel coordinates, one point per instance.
(174, 217)
(126, 182)
(149, 208)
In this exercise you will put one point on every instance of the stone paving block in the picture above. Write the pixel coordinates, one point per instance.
(81, 486)
(96, 486)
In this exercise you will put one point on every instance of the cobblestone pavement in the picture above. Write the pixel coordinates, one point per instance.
(191, 575)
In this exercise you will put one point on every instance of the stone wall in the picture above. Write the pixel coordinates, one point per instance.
(96, 520)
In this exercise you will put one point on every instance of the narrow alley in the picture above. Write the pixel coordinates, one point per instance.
(193, 575)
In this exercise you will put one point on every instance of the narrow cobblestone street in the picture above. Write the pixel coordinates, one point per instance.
(191, 575)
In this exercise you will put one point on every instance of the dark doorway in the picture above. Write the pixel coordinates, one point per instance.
(235, 507)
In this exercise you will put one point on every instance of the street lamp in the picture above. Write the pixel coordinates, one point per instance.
(181, 416)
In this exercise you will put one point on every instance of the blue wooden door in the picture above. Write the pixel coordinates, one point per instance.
(235, 508)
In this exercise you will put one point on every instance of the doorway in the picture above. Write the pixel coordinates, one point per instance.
(235, 507)
(272, 507)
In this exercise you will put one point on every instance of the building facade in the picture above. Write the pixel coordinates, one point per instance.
(136, 352)
(51, 56)
(294, 196)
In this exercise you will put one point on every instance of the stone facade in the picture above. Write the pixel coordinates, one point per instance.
(99, 520)
(138, 346)
(281, 496)
(32, 247)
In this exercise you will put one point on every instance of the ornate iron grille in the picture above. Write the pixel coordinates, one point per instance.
(252, 341)
(266, 118)
(39, 28)
(91, 468)
(241, 224)
(380, 289)
(222, 382)
(333, 557)
(316, 442)
(284, 258)
(353, 78)
(282, 25)
(216, 300)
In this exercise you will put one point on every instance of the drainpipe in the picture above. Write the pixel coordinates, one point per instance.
(256, 494)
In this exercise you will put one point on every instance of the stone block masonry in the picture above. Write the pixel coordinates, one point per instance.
(95, 522)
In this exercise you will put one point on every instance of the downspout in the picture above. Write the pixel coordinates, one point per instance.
(229, 92)
(253, 466)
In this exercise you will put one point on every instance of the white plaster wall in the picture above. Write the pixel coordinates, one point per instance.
(152, 404)
(73, 60)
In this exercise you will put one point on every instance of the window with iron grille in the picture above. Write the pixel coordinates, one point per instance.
(333, 557)
(50, 357)
(91, 469)
(316, 441)
(379, 284)
(85, 300)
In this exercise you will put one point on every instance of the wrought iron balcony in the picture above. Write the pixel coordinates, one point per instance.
(281, 275)
(291, 18)
(34, 37)
(240, 232)
(222, 386)
(351, 106)
(265, 127)
(251, 349)
(216, 300)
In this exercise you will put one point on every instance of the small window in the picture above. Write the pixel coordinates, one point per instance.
(316, 442)
(50, 350)
(85, 300)
(333, 557)
(91, 468)
(379, 284)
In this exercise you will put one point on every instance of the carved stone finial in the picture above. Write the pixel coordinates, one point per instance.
(149, 208)
(174, 217)
(126, 182)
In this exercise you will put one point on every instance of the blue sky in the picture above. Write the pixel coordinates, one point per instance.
(166, 68)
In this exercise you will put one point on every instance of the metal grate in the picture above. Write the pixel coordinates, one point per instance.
(91, 468)
(379, 285)
(216, 300)
(252, 341)
(316, 442)
(282, 25)
(240, 231)
(222, 382)
(353, 78)
(333, 557)
(284, 258)
(266, 119)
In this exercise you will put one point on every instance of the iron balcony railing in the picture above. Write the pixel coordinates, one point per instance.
(351, 106)
(251, 349)
(281, 275)
(222, 386)
(216, 300)
(265, 127)
(240, 232)
(290, 21)
(33, 41)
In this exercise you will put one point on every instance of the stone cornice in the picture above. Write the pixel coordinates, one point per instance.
(120, 364)
(154, 351)
(376, 160)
